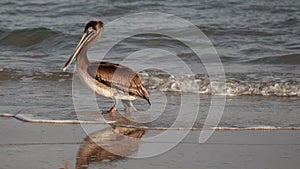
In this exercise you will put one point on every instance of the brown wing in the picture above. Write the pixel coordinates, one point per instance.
(119, 77)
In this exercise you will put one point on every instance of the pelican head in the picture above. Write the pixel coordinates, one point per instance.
(92, 33)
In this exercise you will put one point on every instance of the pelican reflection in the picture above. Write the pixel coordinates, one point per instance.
(109, 144)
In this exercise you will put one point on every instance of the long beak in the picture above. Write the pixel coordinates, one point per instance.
(84, 39)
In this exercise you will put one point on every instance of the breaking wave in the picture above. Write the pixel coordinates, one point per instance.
(283, 85)
(237, 84)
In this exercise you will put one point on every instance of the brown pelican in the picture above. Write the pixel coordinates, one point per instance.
(104, 78)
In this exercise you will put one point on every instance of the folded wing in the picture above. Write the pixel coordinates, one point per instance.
(119, 77)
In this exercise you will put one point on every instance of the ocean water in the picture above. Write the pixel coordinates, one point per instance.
(258, 44)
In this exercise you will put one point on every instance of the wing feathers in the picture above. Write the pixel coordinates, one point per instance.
(119, 77)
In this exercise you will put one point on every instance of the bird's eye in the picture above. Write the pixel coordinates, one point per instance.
(90, 29)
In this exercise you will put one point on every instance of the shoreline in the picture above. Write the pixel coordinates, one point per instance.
(117, 122)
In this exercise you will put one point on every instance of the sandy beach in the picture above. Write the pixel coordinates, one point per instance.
(31, 145)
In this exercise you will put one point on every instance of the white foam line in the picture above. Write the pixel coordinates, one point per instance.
(254, 128)
(25, 118)
(214, 128)
(6, 115)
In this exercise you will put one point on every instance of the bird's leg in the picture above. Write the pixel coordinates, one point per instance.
(113, 109)
(128, 106)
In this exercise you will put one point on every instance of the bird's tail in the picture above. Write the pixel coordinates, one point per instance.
(145, 94)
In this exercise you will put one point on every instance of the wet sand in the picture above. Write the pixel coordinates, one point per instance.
(29, 145)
